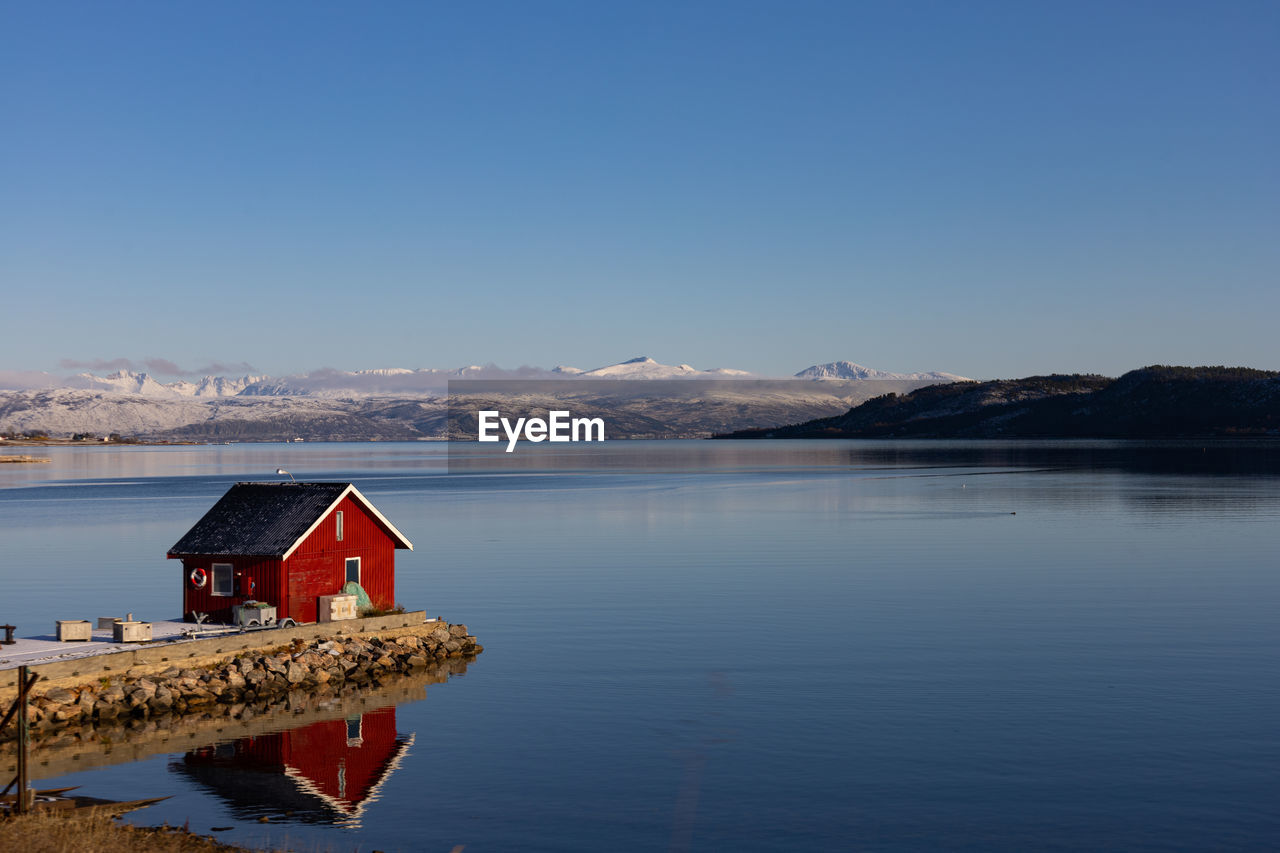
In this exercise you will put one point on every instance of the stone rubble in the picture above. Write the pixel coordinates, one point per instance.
(250, 680)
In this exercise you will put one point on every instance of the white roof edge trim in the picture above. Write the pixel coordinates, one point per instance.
(355, 811)
(349, 490)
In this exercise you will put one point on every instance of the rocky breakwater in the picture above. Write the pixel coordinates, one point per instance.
(250, 682)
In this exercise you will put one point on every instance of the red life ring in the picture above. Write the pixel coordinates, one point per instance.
(199, 577)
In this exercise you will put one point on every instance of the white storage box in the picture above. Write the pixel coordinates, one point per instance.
(244, 615)
(74, 629)
(336, 608)
(131, 632)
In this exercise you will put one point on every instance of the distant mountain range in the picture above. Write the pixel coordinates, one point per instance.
(399, 403)
(1153, 402)
(398, 380)
(838, 400)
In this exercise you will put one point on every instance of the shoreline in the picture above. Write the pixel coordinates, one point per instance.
(156, 708)
(253, 678)
(51, 832)
(126, 740)
(72, 442)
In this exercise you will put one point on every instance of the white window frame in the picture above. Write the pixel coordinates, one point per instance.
(231, 580)
(346, 569)
(338, 522)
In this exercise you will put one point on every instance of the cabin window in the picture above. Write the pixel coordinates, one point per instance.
(355, 737)
(220, 582)
(353, 569)
(339, 524)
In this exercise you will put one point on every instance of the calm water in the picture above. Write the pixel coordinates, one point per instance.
(742, 646)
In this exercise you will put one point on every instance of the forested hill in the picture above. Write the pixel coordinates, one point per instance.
(1153, 402)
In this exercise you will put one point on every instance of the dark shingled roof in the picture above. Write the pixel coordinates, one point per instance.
(259, 519)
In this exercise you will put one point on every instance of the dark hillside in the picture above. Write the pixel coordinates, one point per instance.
(1153, 402)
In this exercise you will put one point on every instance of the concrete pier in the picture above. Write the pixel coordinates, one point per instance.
(67, 664)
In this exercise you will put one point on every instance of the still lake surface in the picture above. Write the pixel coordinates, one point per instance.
(747, 645)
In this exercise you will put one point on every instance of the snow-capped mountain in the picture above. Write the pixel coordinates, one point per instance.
(431, 382)
(385, 371)
(852, 370)
(644, 367)
(214, 386)
(350, 383)
(379, 382)
(143, 385)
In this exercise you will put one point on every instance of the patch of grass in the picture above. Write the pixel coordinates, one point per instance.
(51, 832)
(98, 832)
(383, 611)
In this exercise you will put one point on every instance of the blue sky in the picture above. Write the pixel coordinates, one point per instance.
(992, 189)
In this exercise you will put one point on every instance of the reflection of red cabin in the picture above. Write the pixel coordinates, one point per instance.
(321, 772)
(286, 544)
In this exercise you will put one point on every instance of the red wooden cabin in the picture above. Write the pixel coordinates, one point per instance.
(286, 544)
